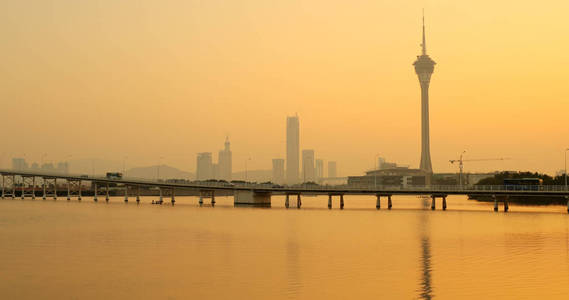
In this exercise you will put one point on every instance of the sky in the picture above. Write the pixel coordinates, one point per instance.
(159, 81)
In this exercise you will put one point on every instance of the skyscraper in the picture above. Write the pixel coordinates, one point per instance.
(278, 171)
(424, 67)
(319, 169)
(19, 164)
(204, 170)
(225, 162)
(332, 169)
(292, 149)
(308, 172)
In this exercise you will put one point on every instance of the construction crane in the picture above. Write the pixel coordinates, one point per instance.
(461, 165)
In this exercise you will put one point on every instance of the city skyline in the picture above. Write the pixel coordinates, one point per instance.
(360, 80)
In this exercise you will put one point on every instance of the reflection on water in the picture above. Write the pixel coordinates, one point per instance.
(427, 290)
(86, 250)
(426, 287)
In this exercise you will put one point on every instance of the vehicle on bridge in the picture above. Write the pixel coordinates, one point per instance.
(114, 175)
(523, 184)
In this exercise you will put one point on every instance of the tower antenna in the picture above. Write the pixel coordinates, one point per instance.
(424, 44)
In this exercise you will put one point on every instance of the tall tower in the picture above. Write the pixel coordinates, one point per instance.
(424, 67)
(225, 162)
(292, 150)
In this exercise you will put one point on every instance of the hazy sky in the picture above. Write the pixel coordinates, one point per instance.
(149, 79)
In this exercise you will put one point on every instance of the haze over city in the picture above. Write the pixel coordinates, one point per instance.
(110, 79)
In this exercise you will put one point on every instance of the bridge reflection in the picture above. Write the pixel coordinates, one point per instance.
(426, 287)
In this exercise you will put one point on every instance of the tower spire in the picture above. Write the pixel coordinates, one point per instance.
(424, 44)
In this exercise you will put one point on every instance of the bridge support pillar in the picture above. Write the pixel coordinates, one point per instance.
(31, 182)
(506, 206)
(6, 180)
(95, 192)
(55, 189)
(212, 198)
(389, 204)
(33, 188)
(201, 198)
(43, 188)
(342, 201)
(79, 192)
(433, 202)
(107, 193)
(378, 202)
(444, 202)
(298, 201)
(287, 201)
(567, 198)
(137, 194)
(329, 201)
(251, 197)
(126, 193)
(174, 197)
(161, 199)
(495, 202)
(68, 190)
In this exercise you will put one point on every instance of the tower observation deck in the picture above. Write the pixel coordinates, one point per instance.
(424, 67)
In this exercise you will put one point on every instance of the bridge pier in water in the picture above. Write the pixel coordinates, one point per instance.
(11, 180)
(107, 193)
(330, 197)
(298, 201)
(137, 194)
(30, 181)
(95, 192)
(126, 193)
(506, 206)
(250, 197)
(287, 203)
(567, 198)
(434, 201)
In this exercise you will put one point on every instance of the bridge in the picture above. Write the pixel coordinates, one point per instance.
(28, 184)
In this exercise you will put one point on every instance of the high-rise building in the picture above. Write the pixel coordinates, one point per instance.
(292, 149)
(332, 172)
(278, 171)
(63, 167)
(225, 162)
(308, 171)
(319, 169)
(47, 167)
(19, 164)
(204, 169)
(424, 67)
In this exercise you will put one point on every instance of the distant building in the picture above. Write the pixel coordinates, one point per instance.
(387, 165)
(399, 176)
(19, 164)
(308, 170)
(35, 166)
(214, 171)
(47, 167)
(63, 167)
(278, 171)
(292, 149)
(319, 169)
(225, 162)
(204, 169)
(332, 172)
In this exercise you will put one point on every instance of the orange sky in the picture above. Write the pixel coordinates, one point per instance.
(146, 79)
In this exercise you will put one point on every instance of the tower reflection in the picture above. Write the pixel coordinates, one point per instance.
(426, 290)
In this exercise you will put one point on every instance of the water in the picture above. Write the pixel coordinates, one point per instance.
(85, 250)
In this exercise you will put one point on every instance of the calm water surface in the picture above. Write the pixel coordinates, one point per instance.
(85, 250)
